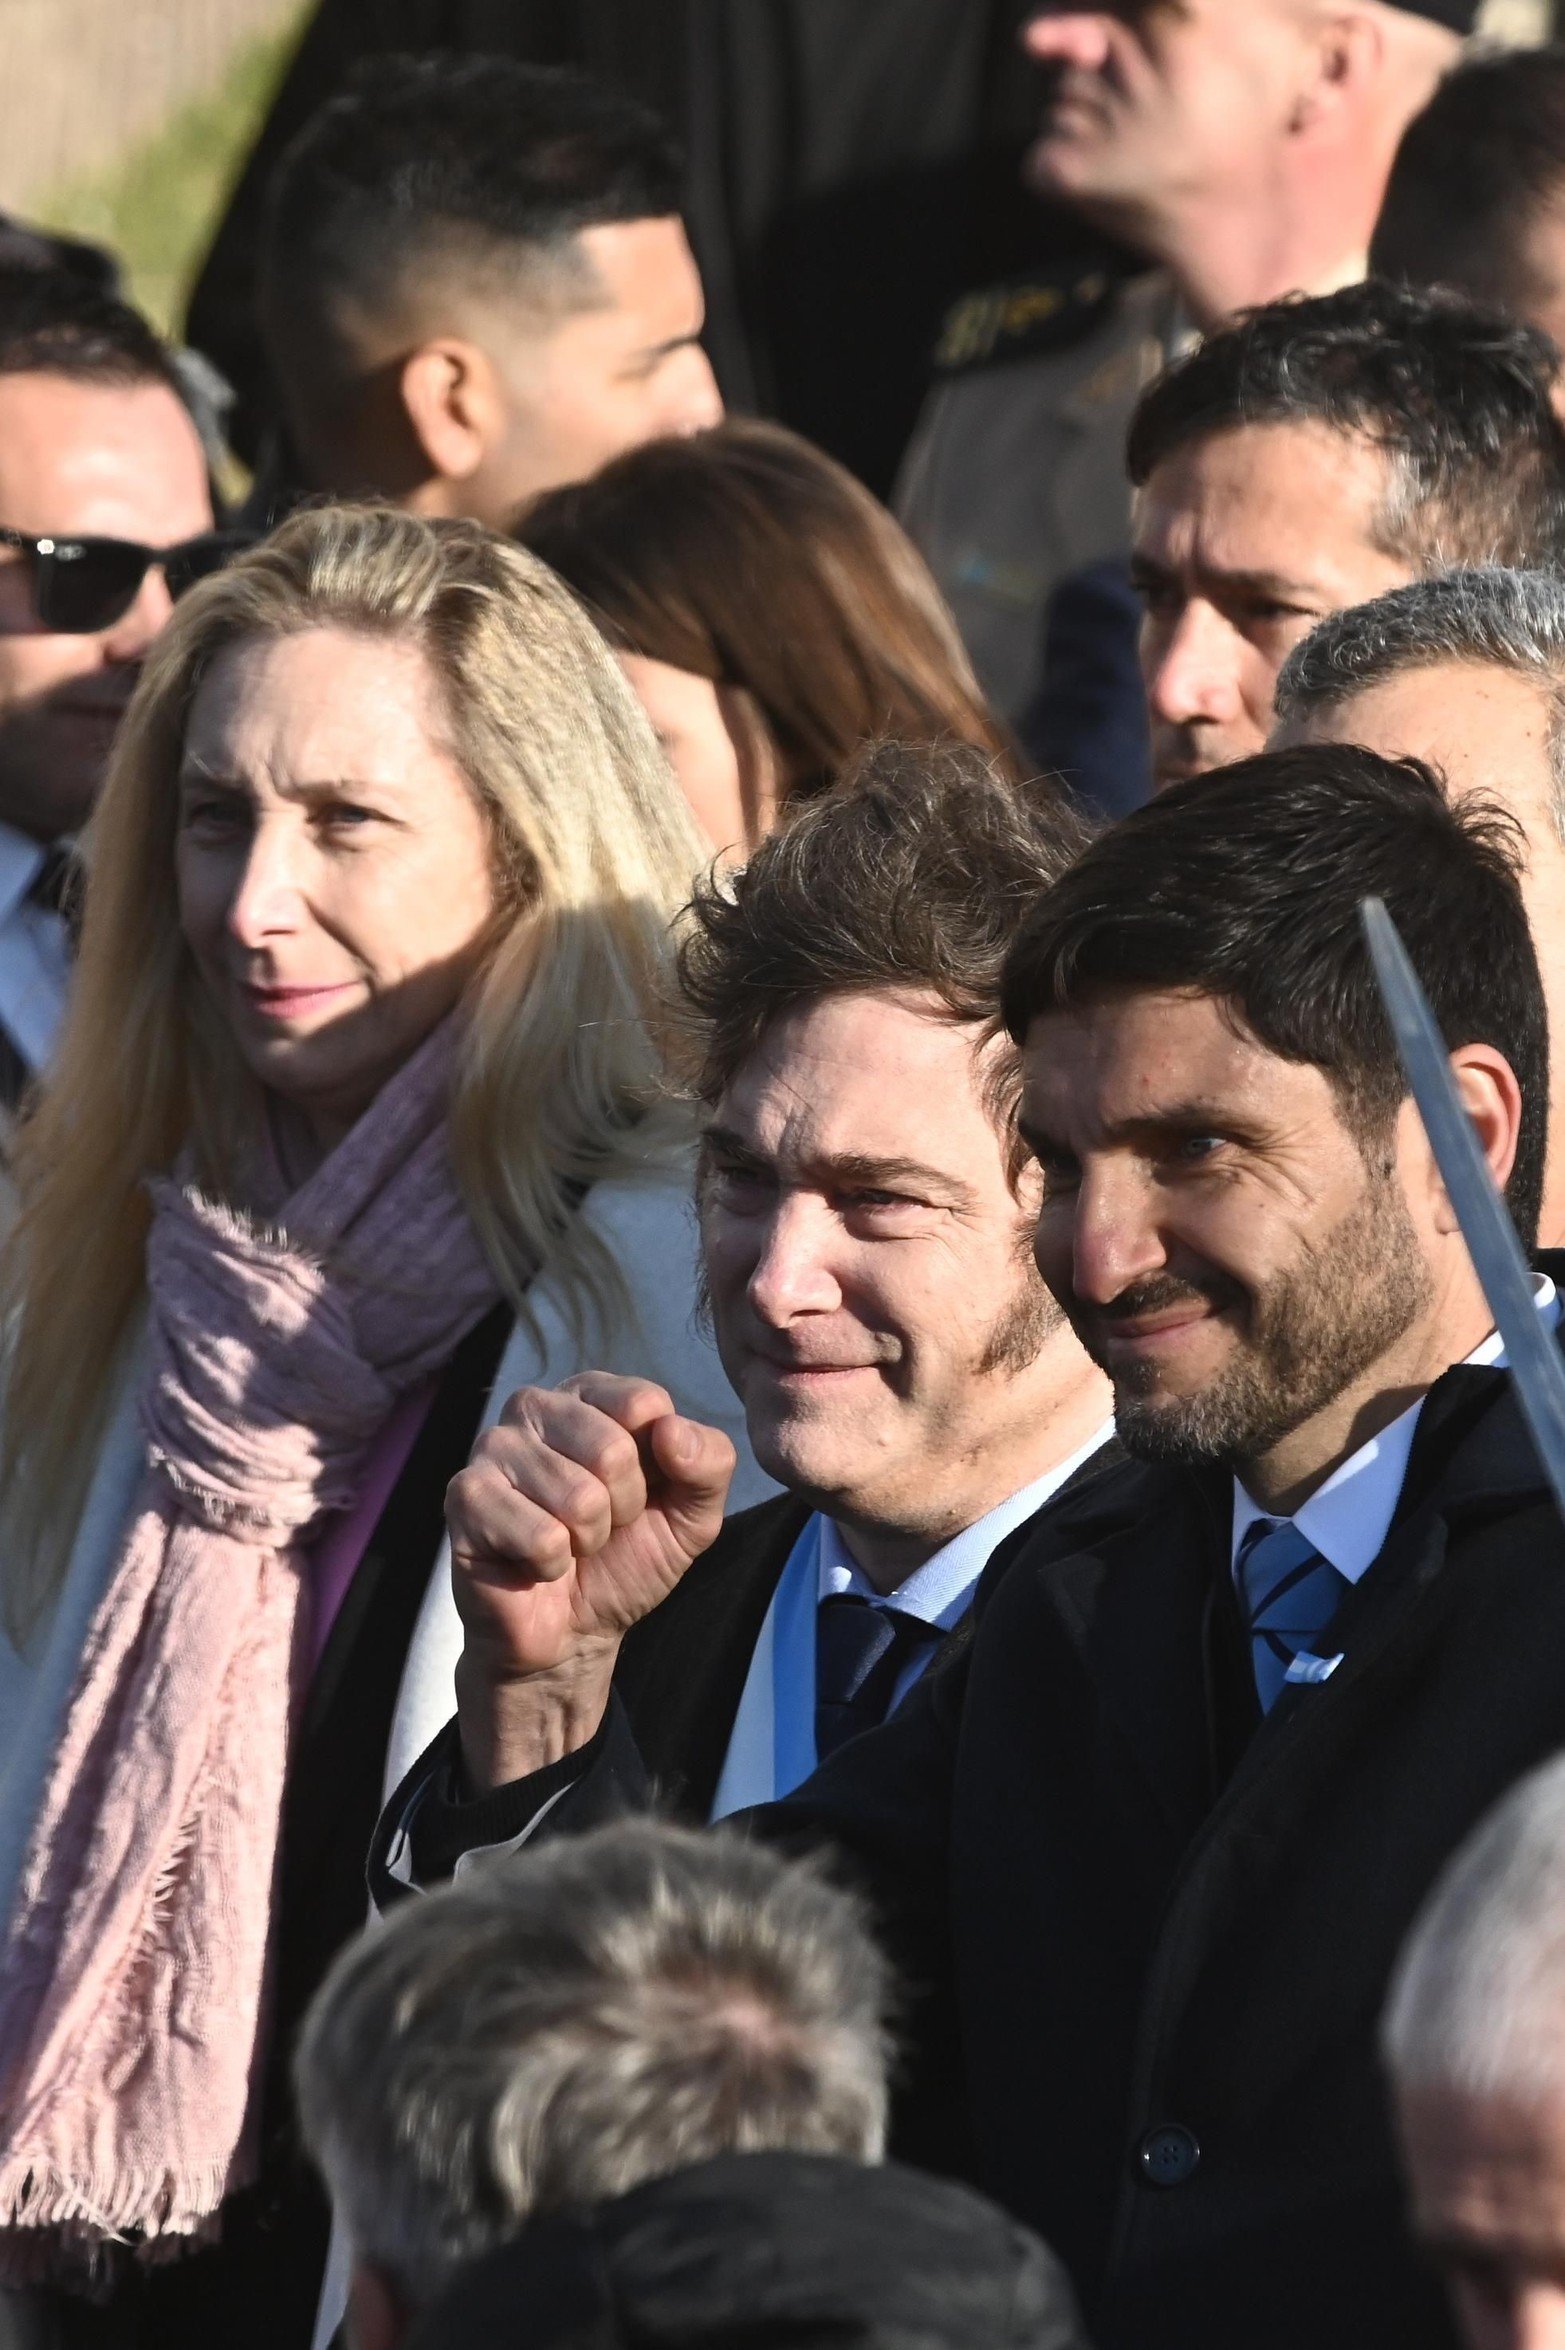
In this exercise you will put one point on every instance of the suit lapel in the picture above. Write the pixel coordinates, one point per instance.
(682, 1671)
(1146, 1639)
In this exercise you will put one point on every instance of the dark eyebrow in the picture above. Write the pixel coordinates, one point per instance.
(1146, 572)
(653, 351)
(1186, 1117)
(853, 1170)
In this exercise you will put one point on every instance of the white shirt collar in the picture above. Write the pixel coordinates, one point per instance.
(938, 1591)
(1348, 1518)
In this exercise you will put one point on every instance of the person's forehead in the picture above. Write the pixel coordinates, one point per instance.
(1283, 498)
(1487, 2169)
(1470, 718)
(322, 705)
(645, 269)
(863, 1071)
(110, 460)
(1126, 1056)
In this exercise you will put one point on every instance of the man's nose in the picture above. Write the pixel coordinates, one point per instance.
(127, 638)
(696, 401)
(1115, 1239)
(1068, 36)
(792, 1274)
(1191, 669)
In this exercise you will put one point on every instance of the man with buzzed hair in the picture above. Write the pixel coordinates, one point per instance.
(1467, 672)
(1314, 454)
(475, 285)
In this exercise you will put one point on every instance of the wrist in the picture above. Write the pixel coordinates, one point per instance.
(513, 1725)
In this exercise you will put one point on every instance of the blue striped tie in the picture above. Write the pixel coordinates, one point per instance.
(1289, 1594)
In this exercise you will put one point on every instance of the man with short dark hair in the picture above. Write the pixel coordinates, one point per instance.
(1476, 197)
(103, 489)
(1310, 456)
(475, 285)
(1150, 1837)
(866, 1220)
(1466, 671)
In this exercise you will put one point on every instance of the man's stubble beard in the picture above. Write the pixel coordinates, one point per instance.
(1026, 1322)
(1313, 1332)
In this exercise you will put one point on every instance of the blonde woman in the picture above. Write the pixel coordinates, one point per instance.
(354, 1128)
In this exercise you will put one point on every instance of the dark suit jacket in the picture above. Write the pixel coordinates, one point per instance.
(1152, 1932)
(681, 1672)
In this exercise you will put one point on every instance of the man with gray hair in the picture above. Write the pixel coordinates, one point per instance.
(1474, 2039)
(556, 2029)
(1466, 671)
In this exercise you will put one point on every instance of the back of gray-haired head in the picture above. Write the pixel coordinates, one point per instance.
(1489, 618)
(565, 2023)
(1477, 2005)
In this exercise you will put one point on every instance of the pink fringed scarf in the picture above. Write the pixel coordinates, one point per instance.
(132, 1994)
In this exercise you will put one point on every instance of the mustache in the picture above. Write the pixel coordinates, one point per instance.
(1157, 1293)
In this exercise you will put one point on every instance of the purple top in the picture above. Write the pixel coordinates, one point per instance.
(336, 1553)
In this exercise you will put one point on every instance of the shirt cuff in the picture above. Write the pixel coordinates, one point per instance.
(433, 1830)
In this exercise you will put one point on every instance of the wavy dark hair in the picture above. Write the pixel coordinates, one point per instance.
(914, 875)
(748, 556)
(1459, 399)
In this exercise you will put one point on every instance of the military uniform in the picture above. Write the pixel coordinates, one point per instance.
(1015, 477)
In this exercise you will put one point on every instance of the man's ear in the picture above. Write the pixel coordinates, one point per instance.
(1344, 53)
(378, 2317)
(453, 402)
(1493, 1101)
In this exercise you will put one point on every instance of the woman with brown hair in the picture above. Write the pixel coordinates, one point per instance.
(769, 612)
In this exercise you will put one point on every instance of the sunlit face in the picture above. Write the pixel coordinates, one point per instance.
(334, 865)
(1218, 1238)
(1153, 100)
(717, 748)
(605, 378)
(1488, 2190)
(1490, 730)
(1242, 542)
(87, 460)
(872, 1295)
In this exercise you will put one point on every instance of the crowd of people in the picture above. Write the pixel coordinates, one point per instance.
(767, 1572)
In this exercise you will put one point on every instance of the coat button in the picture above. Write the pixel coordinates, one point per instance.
(1168, 2156)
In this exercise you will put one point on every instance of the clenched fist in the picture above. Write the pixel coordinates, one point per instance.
(577, 1514)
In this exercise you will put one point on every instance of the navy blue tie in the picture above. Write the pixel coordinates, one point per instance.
(1289, 1594)
(861, 1652)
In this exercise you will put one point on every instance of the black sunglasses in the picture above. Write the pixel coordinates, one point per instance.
(81, 585)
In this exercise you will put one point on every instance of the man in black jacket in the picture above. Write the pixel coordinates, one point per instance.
(1148, 1843)
(866, 1221)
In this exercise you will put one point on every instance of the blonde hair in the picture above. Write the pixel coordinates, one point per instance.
(557, 1082)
